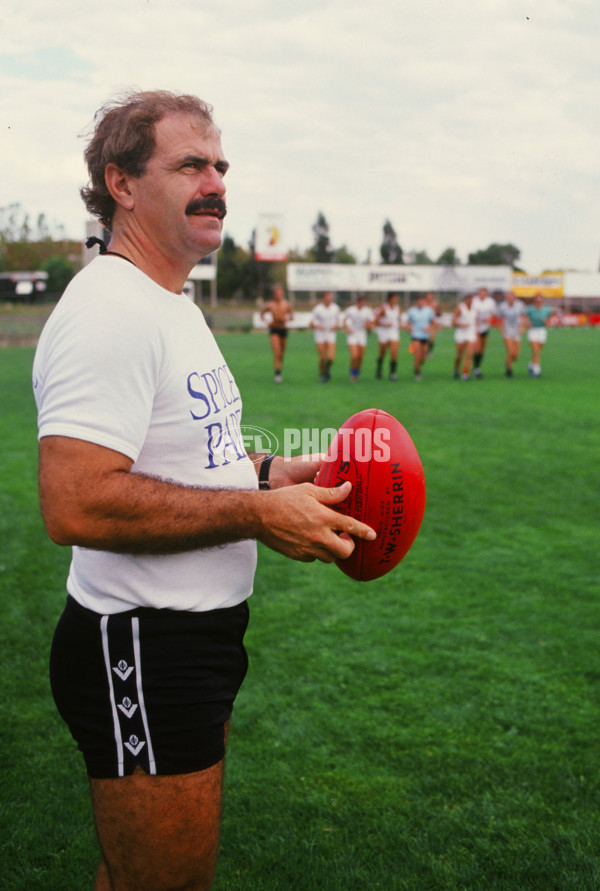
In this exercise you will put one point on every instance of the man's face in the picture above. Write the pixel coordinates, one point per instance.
(179, 200)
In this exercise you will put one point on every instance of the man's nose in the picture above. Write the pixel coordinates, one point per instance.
(213, 184)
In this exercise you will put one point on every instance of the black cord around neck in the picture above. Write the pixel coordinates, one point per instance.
(92, 240)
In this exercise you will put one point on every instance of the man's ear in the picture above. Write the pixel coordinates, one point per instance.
(117, 183)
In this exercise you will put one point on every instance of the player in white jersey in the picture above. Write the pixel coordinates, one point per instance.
(387, 328)
(512, 313)
(359, 319)
(325, 321)
(465, 336)
(485, 310)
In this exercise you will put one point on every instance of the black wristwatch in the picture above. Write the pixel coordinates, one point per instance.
(263, 473)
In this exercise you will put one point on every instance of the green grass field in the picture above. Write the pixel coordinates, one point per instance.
(436, 729)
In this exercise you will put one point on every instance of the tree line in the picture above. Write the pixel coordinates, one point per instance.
(39, 245)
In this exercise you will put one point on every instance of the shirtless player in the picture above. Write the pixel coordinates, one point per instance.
(281, 313)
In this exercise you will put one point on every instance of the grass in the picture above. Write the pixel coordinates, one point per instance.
(436, 729)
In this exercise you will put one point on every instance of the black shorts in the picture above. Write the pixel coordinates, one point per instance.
(148, 687)
(280, 332)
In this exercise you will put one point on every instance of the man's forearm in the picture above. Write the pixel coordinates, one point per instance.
(134, 513)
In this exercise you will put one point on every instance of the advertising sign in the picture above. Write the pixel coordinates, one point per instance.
(269, 244)
(352, 277)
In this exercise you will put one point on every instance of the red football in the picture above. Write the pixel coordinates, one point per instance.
(374, 451)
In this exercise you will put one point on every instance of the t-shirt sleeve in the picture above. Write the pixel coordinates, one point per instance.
(96, 376)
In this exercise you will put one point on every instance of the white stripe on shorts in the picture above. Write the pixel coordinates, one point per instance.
(115, 714)
(135, 630)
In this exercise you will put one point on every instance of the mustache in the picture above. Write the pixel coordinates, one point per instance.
(210, 205)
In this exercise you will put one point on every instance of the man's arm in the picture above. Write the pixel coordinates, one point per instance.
(90, 497)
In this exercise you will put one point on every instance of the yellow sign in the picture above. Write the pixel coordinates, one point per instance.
(548, 286)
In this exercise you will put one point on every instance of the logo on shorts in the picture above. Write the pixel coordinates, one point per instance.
(122, 669)
(127, 706)
(134, 744)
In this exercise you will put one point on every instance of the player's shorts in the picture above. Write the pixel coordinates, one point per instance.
(512, 333)
(325, 336)
(483, 331)
(280, 332)
(387, 335)
(359, 338)
(146, 687)
(420, 339)
(462, 336)
(537, 335)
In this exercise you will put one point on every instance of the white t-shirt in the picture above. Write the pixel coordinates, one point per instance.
(511, 314)
(356, 318)
(326, 317)
(389, 321)
(466, 320)
(485, 309)
(128, 365)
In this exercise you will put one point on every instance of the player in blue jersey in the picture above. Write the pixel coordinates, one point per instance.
(421, 320)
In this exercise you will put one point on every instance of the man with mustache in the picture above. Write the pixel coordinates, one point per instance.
(143, 472)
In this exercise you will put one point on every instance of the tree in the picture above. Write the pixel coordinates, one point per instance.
(60, 272)
(25, 247)
(448, 257)
(390, 250)
(321, 251)
(229, 268)
(343, 255)
(422, 258)
(496, 255)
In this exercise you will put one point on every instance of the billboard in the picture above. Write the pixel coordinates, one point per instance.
(352, 277)
(525, 286)
(269, 243)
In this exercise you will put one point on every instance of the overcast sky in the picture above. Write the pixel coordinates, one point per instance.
(462, 122)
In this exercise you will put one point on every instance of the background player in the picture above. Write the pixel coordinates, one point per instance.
(465, 336)
(325, 321)
(485, 309)
(281, 312)
(420, 321)
(358, 320)
(387, 328)
(511, 311)
(431, 301)
(537, 317)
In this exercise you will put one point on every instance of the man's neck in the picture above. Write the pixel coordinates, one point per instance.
(169, 273)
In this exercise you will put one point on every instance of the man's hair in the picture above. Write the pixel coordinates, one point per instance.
(124, 134)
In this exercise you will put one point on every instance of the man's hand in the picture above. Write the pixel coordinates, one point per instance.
(299, 522)
(291, 471)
